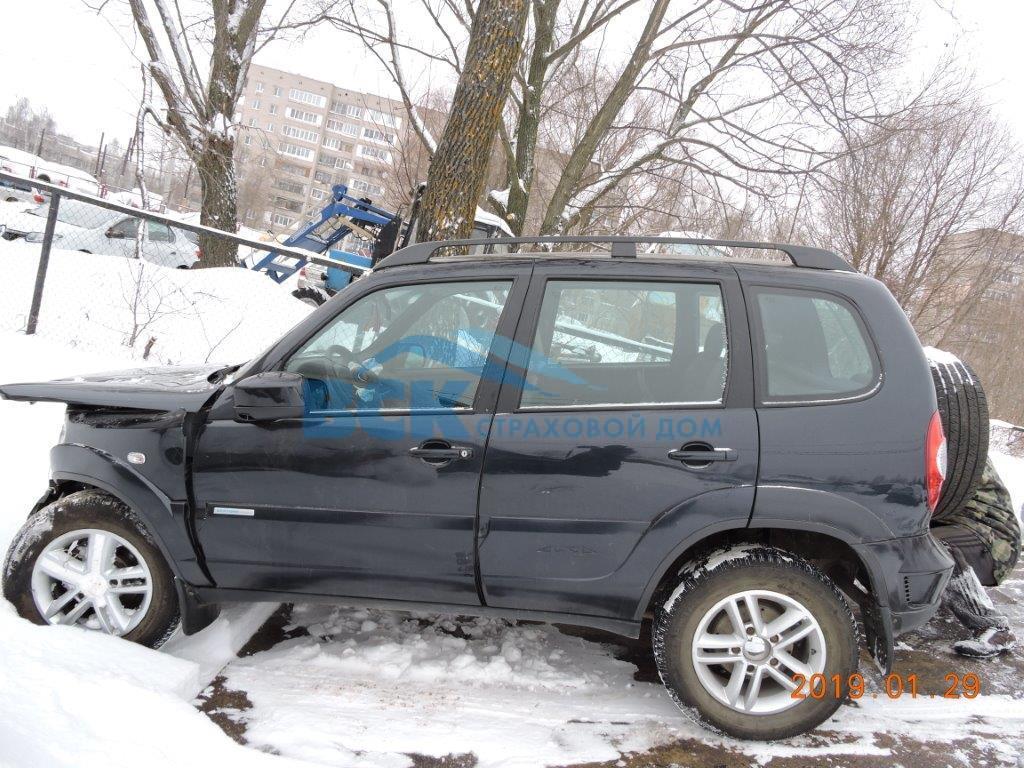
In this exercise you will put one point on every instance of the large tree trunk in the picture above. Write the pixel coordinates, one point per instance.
(219, 206)
(458, 170)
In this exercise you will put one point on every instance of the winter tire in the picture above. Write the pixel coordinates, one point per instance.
(963, 409)
(87, 560)
(732, 635)
(309, 296)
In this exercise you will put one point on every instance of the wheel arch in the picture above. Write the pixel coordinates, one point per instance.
(832, 550)
(77, 467)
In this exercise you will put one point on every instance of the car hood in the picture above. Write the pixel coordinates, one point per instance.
(153, 389)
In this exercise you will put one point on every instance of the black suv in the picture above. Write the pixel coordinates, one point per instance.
(726, 445)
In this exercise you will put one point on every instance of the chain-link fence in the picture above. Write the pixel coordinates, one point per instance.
(89, 273)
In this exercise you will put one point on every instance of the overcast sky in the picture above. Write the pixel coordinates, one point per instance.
(82, 67)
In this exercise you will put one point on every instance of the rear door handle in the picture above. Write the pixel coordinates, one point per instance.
(701, 456)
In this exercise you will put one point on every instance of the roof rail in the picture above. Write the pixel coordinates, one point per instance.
(622, 248)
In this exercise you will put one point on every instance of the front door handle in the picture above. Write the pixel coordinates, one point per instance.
(440, 452)
(695, 455)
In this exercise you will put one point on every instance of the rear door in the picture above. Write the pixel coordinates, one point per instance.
(624, 427)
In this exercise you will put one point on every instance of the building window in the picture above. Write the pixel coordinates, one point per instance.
(306, 97)
(341, 127)
(306, 117)
(252, 122)
(247, 140)
(377, 135)
(270, 127)
(317, 194)
(383, 118)
(256, 103)
(289, 205)
(290, 186)
(341, 108)
(295, 170)
(375, 152)
(277, 91)
(301, 134)
(294, 150)
(361, 185)
(272, 109)
(259, 87)
(322, 176)
(263, 162)
(281, 220)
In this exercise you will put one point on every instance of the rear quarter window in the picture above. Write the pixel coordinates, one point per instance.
(814, 347)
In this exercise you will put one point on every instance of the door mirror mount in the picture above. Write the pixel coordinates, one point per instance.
(269, 396)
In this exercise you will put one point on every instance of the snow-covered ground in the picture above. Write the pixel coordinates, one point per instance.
(342, 686)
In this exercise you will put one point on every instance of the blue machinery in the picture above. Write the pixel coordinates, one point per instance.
(342, 215)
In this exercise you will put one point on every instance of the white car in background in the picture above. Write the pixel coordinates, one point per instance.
(91, 229)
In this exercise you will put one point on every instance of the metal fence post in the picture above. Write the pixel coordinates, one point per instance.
(44, 262)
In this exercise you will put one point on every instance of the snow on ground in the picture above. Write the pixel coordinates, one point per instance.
(357, 687)
(114, 306)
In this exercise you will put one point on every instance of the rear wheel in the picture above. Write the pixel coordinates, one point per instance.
(86, 560)
(737, 633)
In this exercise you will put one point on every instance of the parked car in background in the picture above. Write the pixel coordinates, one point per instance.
(91, 229)
(31, 166)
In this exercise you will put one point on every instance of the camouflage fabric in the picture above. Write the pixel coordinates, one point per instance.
(990, 516)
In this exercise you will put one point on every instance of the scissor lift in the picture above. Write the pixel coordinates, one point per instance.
(343, 215)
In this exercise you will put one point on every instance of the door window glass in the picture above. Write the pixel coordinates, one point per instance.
(815, 346)
(127, 228)
(627, 343)
(160, 233)
(407, 347)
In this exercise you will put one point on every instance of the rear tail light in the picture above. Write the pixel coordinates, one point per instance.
(38, 198)
(935, 460)
(199, 253)
(302, 272)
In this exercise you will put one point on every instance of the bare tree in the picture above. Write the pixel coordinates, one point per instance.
(199, 64)
(902, 192)
(611, 91)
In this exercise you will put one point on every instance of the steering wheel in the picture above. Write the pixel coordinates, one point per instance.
(359, 373)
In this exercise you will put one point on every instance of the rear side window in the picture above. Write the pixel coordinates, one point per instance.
(815, 346)
(627, 343)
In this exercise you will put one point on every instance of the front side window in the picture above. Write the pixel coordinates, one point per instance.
(127, 228)
(160, 233)
(627, 343)
(815, 346)
(405, 348)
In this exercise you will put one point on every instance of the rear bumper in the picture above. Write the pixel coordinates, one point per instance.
(908, 577)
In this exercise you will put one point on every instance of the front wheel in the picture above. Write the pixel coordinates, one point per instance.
(740, 631)
(86, 560)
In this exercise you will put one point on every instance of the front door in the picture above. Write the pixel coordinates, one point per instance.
(624, 428)
(373, 493)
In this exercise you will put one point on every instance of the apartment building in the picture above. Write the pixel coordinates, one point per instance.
(299, 136)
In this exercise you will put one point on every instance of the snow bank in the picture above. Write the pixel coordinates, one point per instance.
(111, 305)
(70, 697)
